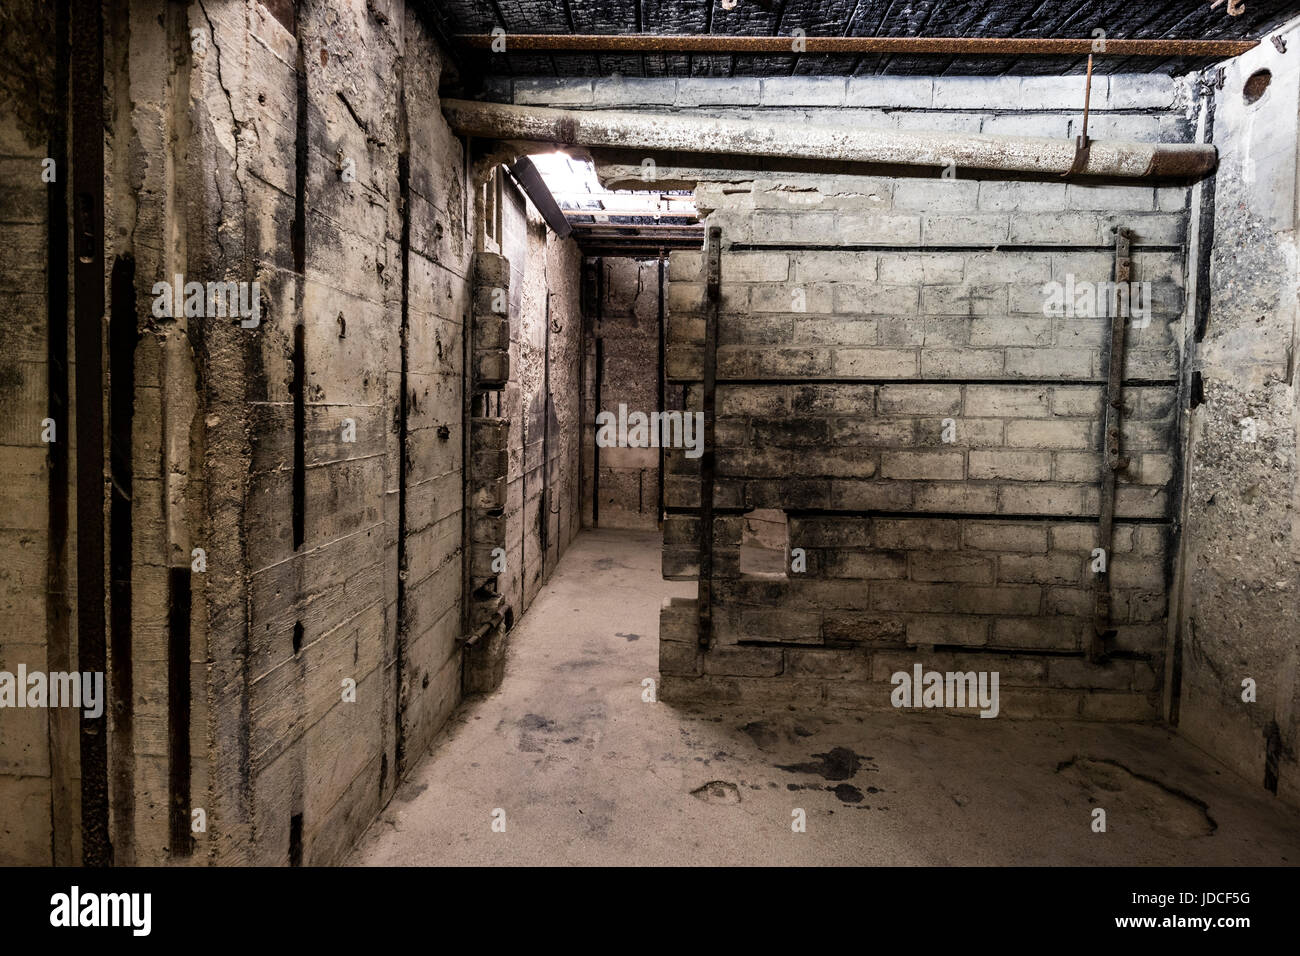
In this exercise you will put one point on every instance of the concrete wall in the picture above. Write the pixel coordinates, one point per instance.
(371, 594)
(1125, 106)
(1242, 536)
(526, 428)
(37, 567)
(629, 328)
(862, 311)
(545, 274)
(287, 552)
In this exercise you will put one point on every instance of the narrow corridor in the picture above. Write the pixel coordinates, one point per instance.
(588, 773)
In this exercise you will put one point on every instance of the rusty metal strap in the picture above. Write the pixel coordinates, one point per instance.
(1082, 145)
(506, 42)
(712, 304)
(1112, 461)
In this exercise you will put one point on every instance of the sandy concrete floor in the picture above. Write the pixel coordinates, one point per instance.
(586, 773)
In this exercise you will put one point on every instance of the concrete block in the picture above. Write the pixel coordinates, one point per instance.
(947, 629)
(981, 229)
(919, 399)
(803, 91)
(936, 194)
(634, 91)
(881, 230)
(1011, 465)
(1141, 91)
(894, 92)
(554, 91)
(718, 91)
(915, 269)
(975, 92)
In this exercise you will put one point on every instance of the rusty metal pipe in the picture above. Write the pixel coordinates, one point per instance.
(952, 46)
(844, 143)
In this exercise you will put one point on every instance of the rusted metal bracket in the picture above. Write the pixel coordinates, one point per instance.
(1082, 145)
(712, 305)
(1112, 462)
(1235, 7)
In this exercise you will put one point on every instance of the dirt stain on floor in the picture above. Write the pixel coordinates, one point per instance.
(764, 737)
(839, 763)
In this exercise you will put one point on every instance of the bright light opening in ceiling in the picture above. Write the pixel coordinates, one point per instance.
(567, 176)
(576, 189)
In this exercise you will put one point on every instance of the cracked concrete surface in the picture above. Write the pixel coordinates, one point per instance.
(587, 773)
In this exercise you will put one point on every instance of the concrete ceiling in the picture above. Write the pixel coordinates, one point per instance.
(1127, 19)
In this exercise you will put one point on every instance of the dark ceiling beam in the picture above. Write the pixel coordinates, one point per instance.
(957, 46)
(644, 233)
(636, 252)
(626, 213)
(647, 239)
(590, 227)
(531, 182)
(647, 243)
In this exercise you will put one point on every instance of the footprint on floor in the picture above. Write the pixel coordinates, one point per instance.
(718, 791)
(1138, 802)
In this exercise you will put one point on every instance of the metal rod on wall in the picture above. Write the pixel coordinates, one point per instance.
(659, 383)
(953, 46)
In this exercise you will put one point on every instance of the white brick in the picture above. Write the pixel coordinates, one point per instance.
(1002, 196)
(975, 92)
(634, 91)
(1055, 92)
(1140, 91)
(711, 91)
(554, 92)
(906, 268)
(1027, 124)
(976, 230)
(755, 267)
(1111, 198)
(934, 193)
(803, 91)
(904, 92)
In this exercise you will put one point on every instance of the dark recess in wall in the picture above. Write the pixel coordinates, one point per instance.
(178, 709)
(86, 71)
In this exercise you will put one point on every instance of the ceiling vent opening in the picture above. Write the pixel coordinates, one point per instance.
(1255, 86)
